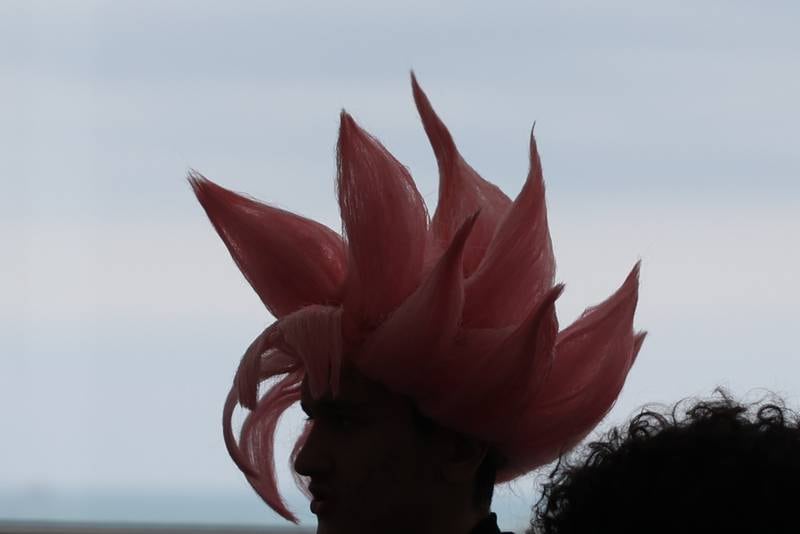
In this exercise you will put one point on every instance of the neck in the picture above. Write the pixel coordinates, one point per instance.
(462, 523)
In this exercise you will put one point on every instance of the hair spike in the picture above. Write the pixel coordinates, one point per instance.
(290, 261)
(592, 360)
(385, 224)
(461, 190)
(519, 266)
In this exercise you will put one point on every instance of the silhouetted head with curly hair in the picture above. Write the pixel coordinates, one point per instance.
(712, 466)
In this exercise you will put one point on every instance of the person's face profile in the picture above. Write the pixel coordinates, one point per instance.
(364, 458)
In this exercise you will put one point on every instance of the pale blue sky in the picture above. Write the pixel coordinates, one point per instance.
(667, 132)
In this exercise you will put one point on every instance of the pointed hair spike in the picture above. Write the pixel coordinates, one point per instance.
(385, 224)
(534, 340)
(289, 260)
(637, 267)
(638, 341)
(558, 290)
(442, 142)
(616, 309)
(519, 265)
(461, 189)
(346, 120)
(592, 359)
(533, 151)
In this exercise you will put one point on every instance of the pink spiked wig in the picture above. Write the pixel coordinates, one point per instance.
(456, 312)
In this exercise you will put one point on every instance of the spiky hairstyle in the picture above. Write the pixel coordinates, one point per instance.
(456, 312)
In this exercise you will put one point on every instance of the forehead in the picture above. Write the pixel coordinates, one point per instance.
(356, 391)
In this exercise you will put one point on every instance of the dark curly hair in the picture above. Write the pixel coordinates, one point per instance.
(716, 466)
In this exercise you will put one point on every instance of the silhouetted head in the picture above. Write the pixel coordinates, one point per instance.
(716, 466)
(375, 464)
(453, 314)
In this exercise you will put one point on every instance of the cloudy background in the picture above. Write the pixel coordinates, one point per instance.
(667, 132)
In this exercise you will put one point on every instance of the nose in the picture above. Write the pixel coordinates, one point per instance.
(313, 456)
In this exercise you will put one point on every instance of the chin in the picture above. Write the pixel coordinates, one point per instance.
(325, 527)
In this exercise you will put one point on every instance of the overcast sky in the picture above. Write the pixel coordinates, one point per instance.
(667, 132)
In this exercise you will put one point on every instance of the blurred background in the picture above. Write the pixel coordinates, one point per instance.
(667, 132)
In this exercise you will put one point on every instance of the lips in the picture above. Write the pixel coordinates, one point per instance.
(322, 498)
